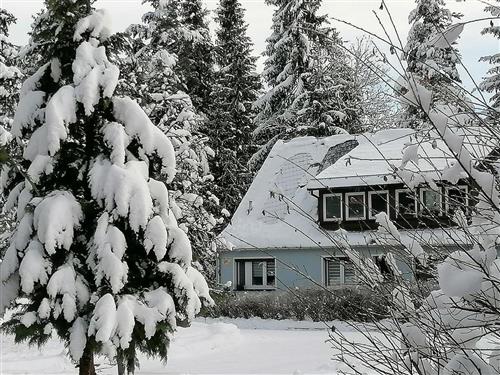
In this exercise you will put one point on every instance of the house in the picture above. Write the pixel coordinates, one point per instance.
(315, 198)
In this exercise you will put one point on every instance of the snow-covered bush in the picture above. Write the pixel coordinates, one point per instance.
(301, 304)
(96, 254)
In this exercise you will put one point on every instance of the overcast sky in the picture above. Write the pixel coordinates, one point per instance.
(258, 16)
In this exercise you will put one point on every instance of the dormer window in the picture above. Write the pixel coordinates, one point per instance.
(406, 203)
(456, 198)
(356, 206)
(378, 201)
(332, 207)
(430, 202)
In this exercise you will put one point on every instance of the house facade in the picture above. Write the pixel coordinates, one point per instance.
(309, 215)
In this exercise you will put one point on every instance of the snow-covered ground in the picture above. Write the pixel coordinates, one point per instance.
(229, 346)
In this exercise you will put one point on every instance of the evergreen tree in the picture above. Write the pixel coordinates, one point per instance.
(10, 74)
(96, 255)
(236, 87)
(181, 28)
(430, 62)
(303, 97)
(491, 83)
(196, 60)
(152, 79)
(10, 81)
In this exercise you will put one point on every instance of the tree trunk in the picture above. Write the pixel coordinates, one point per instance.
(120, 362)
(87, 366)
(131, 359)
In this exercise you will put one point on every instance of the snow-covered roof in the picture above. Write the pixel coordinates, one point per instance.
(378, 155)
(279, 211)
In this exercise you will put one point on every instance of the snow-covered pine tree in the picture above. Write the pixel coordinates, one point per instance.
(303, 97)
(10, 82)
(195, 54)
(181, 27)
(154, 82)
(431, 61)
(236, 87)
(491, 82)
(10, 74)
(96, 254)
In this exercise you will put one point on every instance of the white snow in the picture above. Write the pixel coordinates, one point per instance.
(10, 263)
(448, 37)
(59, 113)
(220, 346)
(28, 319)
(55, 220)
(77, 338)
(99, 23)
(110, 245)
(180, 246)
(125, 321)
(152, 139)
(200, 285)
(27, 110)
(42, 164)
(63, 283)
(31, 83)
(156, 237)
(116, 138)
(93, 72)
(55, 69)
(9, 290)
(33, 267)
(103, 321)
(416, 95)
(183, 289)
(5, 137)
(122, 191)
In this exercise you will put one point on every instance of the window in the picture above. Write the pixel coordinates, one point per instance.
(384, 267)
(332, 207)
(405, 203)
(339, 271)
(255, 274)
(356, 206)
(430, 201)
(378, 201)
(456, 198)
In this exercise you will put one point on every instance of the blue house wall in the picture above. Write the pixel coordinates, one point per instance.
(296, 268)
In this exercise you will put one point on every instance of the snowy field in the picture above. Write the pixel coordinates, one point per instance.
(229, 346)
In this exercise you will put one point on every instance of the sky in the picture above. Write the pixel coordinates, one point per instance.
(259, 16)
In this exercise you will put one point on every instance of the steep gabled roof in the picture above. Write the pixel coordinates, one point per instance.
(378, 158)
(278, 211)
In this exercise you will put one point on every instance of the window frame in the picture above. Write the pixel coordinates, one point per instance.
(377, 192)
(352, 194)
(396, 193)
(250, 260)
(342, 259)
(333, 220)
(447, 197)
(422, 208)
